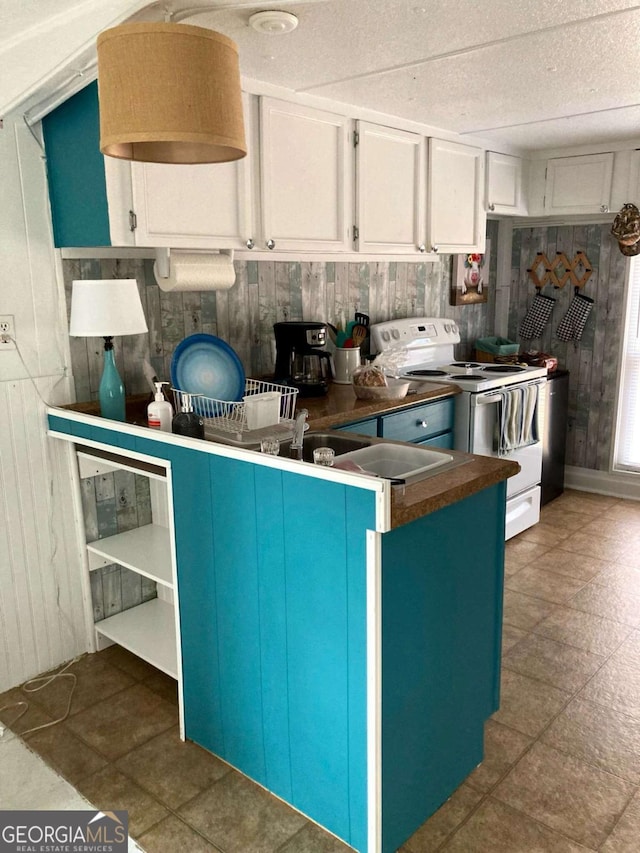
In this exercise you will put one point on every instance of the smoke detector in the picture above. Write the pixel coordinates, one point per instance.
(273, 23)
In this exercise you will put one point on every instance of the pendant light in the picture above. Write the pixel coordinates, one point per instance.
(169, 93)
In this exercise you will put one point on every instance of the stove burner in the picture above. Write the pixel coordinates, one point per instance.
(475, 376)
(504, 368)
(426, 373)
(468, 364)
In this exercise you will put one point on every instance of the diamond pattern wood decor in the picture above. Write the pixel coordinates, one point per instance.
(561, 270)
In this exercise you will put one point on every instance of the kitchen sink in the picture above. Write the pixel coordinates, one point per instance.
(399, 461)
(340, 442)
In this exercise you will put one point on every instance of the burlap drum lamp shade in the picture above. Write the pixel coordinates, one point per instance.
(169, 93)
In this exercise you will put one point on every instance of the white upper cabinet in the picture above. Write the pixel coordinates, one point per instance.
(504, 184)
(456, 217)
(306, 178)
(579, 184)
(200, 206)
(204, 206)
(391, 198)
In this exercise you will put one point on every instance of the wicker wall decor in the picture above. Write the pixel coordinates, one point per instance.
(560, 270)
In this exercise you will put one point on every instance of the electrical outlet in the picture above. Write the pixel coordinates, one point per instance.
(7, 332)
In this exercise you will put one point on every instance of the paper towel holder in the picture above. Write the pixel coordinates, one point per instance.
(162, 267)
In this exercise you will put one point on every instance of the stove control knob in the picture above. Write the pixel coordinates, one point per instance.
(395, 334)
(447, 327)
(454, 328)
(386, 336)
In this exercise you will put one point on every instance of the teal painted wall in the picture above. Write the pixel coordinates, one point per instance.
(272, 578)
(75, 171)
(441, 637)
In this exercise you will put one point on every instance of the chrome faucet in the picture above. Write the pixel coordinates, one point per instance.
(298, 435)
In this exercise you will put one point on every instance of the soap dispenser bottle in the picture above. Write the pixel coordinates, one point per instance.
(160, 411)
(187, 422)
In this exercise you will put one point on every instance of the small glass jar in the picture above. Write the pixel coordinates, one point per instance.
(324, 456)
(270, 446)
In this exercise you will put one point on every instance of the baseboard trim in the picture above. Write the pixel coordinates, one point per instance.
(616, 484)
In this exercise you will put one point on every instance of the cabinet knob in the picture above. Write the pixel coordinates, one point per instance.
(422, 247)
(434, 248)
(271, 244)
(423, 424)
(492, 206)
(604, 208)
(250, 244)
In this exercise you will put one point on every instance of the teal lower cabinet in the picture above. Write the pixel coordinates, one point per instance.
(440, 655)
(368, 427)
(430, 424)
(346, 670)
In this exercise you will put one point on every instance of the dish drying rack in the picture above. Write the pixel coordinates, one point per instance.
(226, 421)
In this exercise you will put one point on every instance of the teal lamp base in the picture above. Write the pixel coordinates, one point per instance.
(111, 390)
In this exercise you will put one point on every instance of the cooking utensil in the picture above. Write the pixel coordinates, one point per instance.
(358, 335)
(362, 319)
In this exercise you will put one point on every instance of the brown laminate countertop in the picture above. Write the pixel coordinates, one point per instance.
(452, 485)
(341, 406)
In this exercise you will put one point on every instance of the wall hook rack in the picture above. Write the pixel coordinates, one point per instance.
(560, 270)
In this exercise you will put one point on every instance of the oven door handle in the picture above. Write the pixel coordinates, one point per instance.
(495, 396)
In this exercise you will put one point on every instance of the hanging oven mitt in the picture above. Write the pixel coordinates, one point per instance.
(537, 317)
(572, 324)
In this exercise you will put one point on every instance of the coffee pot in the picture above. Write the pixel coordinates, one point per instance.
(300, 359)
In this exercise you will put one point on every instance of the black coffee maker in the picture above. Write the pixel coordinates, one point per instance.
(300, 361)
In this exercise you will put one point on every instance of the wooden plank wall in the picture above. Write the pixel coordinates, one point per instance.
(266, 292)
(593, 361)
(114, 503)
(41, 606)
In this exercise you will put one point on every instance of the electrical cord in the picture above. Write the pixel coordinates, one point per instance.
(28, 688)
(34, 685)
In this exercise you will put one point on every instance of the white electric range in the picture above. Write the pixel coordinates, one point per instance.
(422, 349)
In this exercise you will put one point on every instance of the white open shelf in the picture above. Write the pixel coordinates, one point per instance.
(149, 631)
(146, 550)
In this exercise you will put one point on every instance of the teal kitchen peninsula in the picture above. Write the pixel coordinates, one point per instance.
(336, 640)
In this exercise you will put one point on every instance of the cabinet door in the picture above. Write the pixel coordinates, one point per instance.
(200, 206)
(306, 178)
(579, 184)
(456, 218)
(390, 190)
(419, 422)
(368, 427)
(204, 206)
(504, 185)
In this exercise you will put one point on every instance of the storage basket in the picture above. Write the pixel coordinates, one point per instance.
(226, 421)
(493, 349)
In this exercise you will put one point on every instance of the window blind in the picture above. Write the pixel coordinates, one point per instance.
(627, 445)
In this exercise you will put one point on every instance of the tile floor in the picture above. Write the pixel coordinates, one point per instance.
(562, 755)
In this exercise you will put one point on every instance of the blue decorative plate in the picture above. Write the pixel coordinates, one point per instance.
(205, 364)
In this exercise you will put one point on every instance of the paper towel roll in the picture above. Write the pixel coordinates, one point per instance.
(197, 271)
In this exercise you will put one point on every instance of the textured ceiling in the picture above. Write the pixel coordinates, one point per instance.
(528, 74)
(525, 74)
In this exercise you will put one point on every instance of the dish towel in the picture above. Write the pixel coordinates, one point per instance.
(517, 425)
(537, 317)
(572, 324)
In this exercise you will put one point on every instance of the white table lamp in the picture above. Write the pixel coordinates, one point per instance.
(107, 308)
